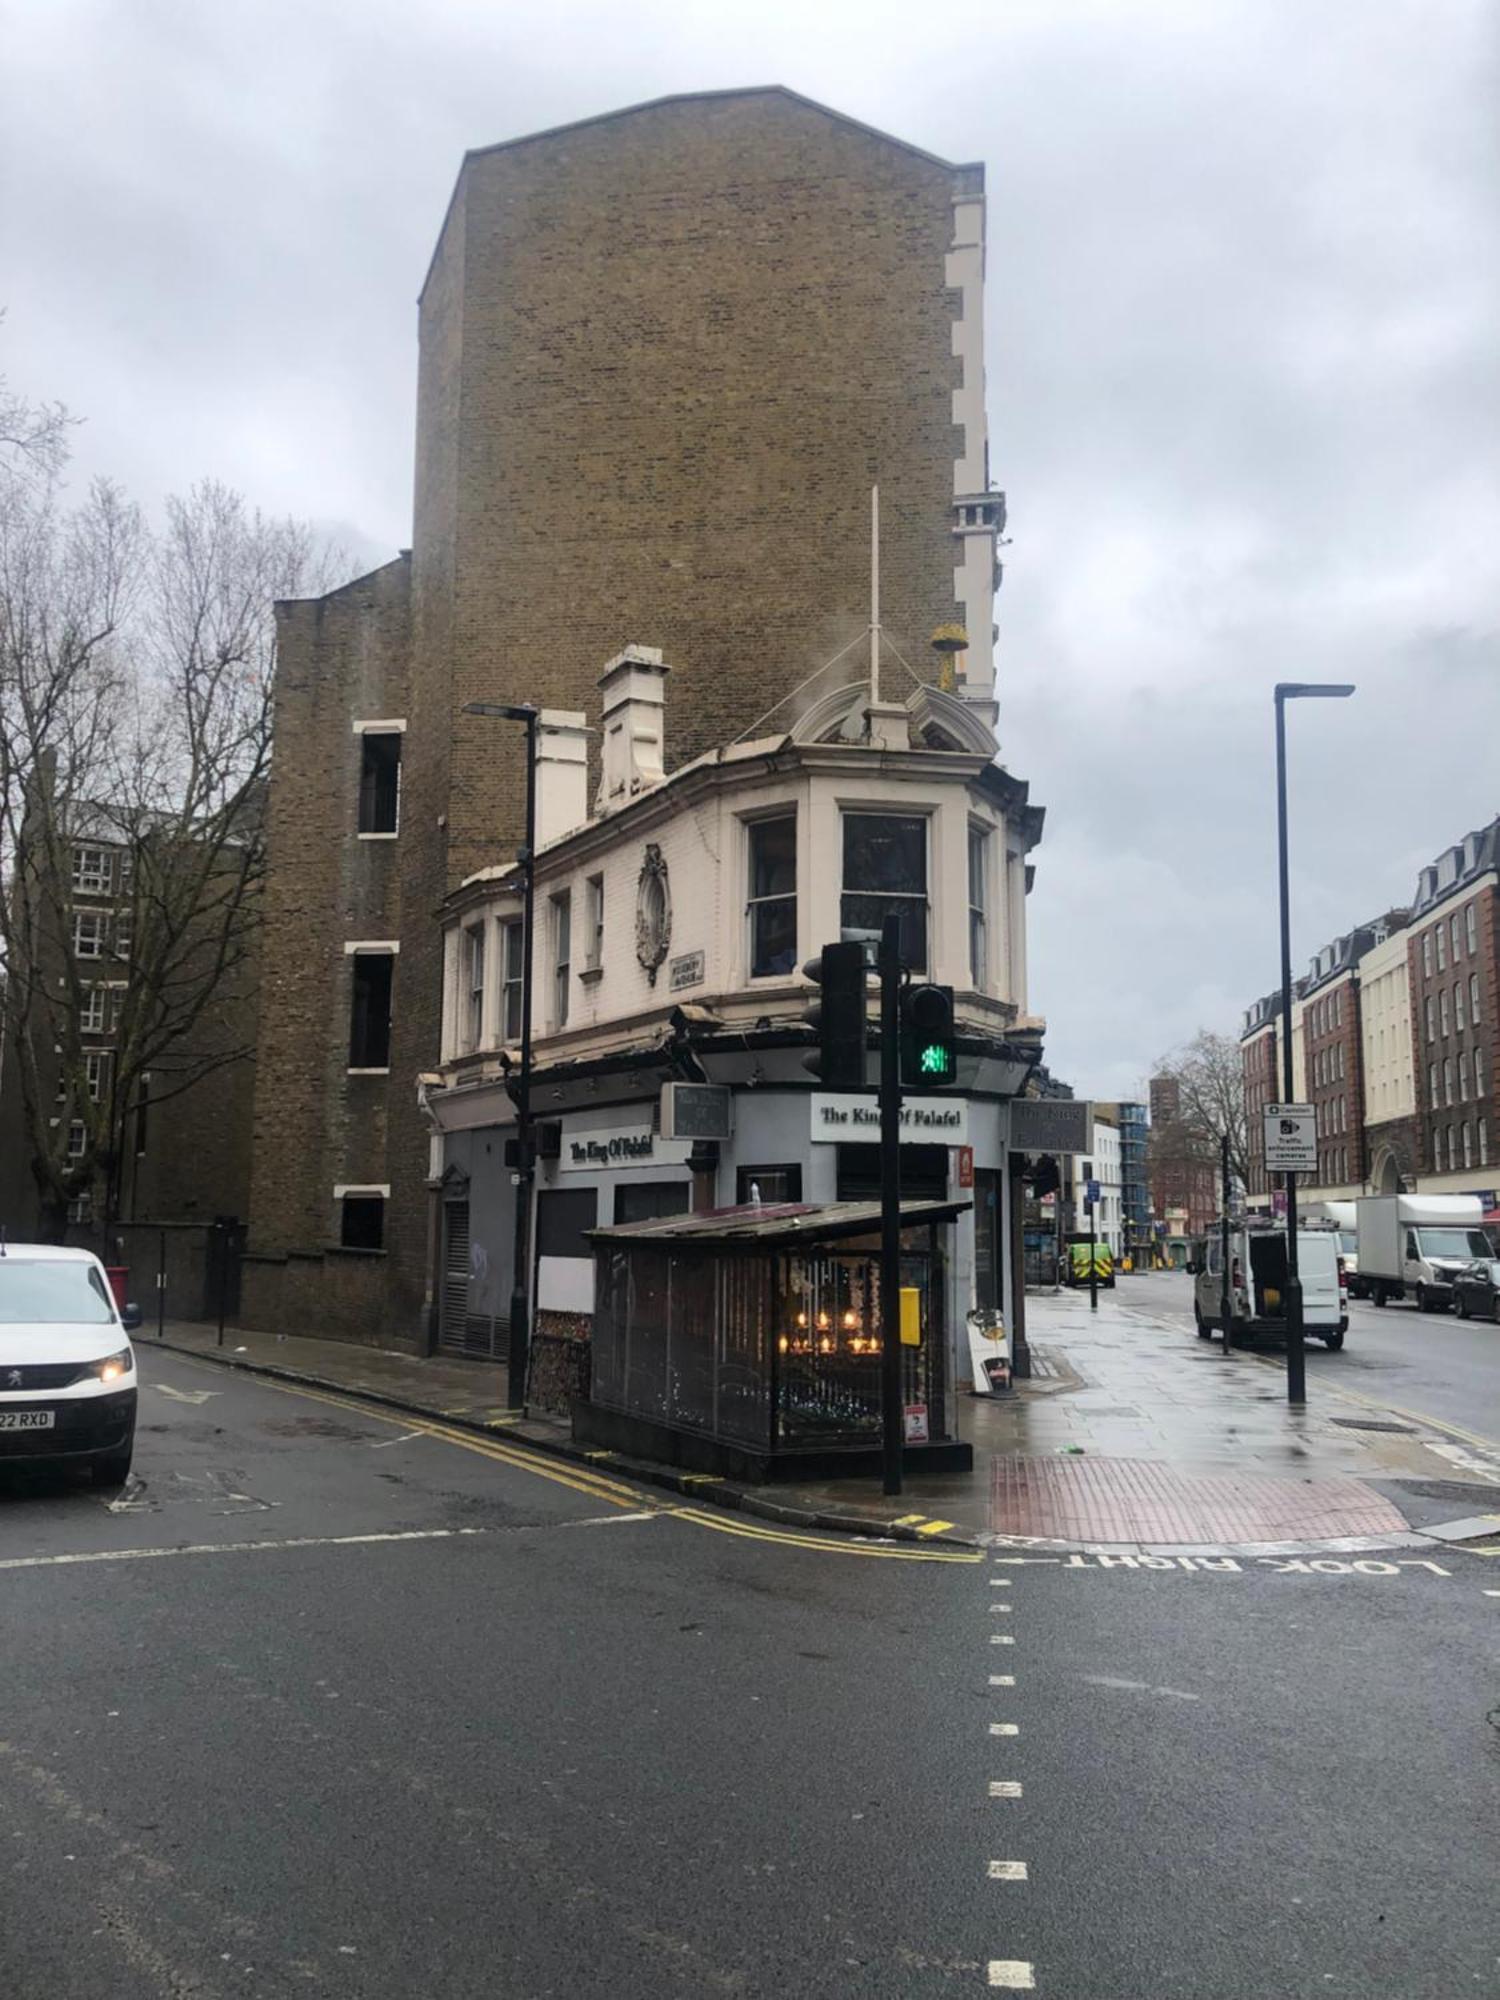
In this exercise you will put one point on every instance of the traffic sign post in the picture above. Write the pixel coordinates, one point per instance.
(1291, 1139)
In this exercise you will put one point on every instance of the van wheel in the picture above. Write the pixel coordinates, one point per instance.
(1335, 1342)
(1422, 1305)
(1380, 1295)
(1461, 1305)
(112, 1471)
(1204, 1329)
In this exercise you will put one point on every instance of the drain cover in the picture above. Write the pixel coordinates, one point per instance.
(1371, 1424)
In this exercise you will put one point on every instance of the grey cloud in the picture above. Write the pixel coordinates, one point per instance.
(1244, 303)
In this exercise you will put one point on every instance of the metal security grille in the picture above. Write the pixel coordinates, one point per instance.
(454, 1332)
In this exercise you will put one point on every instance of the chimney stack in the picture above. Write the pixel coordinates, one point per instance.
(634, 685)
(562, 777)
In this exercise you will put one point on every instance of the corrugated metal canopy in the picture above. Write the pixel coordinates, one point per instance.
(782, 1223)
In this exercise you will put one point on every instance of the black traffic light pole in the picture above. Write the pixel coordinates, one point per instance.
(892, 1427)
(1093, 1244)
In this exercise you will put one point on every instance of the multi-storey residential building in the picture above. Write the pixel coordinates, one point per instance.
(1398, 1039)
(1452, 972)
(1392, 1136)
(1183, 1164)
(1260, 1050)
(1333, 1059)
(663, 356)
(183, 1138)
(672, 920)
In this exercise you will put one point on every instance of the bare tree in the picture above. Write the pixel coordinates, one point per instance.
(1209, 1072)
(136, 673)
(33, 436)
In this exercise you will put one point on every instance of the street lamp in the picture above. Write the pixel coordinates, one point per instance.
(520, 1291)
(1296, 1373)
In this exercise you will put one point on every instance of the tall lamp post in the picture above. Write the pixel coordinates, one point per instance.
(520, 1290)
(1296, 1373)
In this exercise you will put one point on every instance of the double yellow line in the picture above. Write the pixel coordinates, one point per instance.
(614, 1492)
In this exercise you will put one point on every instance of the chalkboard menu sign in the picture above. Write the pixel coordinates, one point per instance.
(695, 1111)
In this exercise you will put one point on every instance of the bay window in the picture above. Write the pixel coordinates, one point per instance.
(772, 901)
(885, 875)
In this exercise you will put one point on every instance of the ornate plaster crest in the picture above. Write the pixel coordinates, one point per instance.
(653, 912)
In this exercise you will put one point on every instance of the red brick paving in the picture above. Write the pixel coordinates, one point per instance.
(1135, 1500)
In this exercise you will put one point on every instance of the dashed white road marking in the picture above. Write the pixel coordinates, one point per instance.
(1005, 1788)
(1001, 1639)
(184, 1395)
(1005, 1729)
(384, 1444)
(1492, 1593)
(1002, 1680)
(1001, 1608)
(1012, 1974)
(1138, 1687)
(1008, 1871)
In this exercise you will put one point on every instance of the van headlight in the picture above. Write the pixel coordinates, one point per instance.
(114, 1366)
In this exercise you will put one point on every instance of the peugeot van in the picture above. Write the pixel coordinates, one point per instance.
(67, 1369)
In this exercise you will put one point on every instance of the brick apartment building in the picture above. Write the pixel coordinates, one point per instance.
(1452, 973)
(184, 1134)
(1260, 1048)
(1184, 1182)
(1397, 1039)
(663, 356)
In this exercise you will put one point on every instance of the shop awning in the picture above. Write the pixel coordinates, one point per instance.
(774, 1225)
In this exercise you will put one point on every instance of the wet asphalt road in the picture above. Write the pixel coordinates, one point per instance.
(1432, 1364)
(374, 1714)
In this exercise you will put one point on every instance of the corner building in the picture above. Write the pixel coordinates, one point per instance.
(663, 356)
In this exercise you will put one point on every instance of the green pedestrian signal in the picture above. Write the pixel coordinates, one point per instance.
(928, 1053)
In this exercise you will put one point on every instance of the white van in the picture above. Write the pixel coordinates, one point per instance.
(1257, 1283)
(67, 1369)
(1342, 1217)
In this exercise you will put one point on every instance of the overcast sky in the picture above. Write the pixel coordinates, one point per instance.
(1244, 378)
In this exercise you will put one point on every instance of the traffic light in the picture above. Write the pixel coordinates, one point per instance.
(838, 1014)
(929, 1057)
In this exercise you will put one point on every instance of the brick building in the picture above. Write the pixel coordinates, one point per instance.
(1395, 1031)
(1333, 1060)
(663, 356)
(184, 1133)
(1260, 1049)
(1184, 1171)
(1452, 973)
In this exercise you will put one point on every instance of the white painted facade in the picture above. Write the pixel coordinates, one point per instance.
(661, 980)
(1385, 1031)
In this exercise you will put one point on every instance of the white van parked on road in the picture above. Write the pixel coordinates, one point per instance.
(67, 1369)
(1257, 1285)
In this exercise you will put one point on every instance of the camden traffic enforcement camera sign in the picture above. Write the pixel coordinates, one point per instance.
(1291, 1139)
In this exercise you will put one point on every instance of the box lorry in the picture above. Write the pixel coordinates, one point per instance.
(1257, 1285)
(1413, 1246)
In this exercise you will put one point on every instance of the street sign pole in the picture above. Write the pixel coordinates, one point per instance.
(892, 1425)
(1093, 1267)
